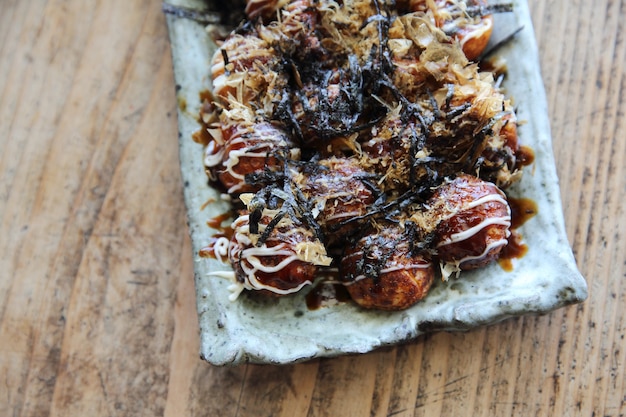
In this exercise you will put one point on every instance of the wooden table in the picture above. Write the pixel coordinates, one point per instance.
(97, 313)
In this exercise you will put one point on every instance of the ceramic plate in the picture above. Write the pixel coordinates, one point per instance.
(281, 331)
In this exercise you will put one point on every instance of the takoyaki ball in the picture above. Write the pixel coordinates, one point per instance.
(244, 70)
(339, 193)
(477, 133)
(381, 272)
(471, 30)
(473, 220)
(283, 262)
(326, 106)
(248, 150)
(309, 105)
(390, 149)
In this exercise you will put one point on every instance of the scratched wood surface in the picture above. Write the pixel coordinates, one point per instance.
(97, 314)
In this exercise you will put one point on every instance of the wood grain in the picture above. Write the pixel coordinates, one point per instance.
(97, 313)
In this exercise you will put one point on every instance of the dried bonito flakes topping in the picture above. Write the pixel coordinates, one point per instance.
(360, 140)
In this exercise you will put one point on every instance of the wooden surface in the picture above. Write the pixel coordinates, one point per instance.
(97, 314)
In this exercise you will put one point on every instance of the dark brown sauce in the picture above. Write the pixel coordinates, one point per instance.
(206, 203)
(216, 222)
(515, 249)
(522, 210)
(326, 294)
(525, 156)
(201, 136)
(207, 251)
(206, 95)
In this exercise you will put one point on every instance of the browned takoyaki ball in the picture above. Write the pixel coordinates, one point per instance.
(243, 69)
(281, 263)
(381, 272)
(478, 133)
(338, 190)
(246, 150)
(310, 103)
(473, 220)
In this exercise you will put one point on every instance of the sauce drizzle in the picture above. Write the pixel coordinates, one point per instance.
(325, 294)
(522, 210)
(525, 156)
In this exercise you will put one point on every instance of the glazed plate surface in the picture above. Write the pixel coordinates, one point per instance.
(281, 331)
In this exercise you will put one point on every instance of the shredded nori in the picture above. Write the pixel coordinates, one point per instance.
(281, 192)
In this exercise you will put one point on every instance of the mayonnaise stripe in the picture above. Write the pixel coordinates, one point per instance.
(469, 233)
(489, 248)
(486, 199)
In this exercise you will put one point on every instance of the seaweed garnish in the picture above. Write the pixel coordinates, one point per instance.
(376, 252)
(326, 102)
(283, 194)
(329, 98)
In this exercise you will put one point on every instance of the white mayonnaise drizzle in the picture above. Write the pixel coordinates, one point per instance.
(212, 155)
(250, 258)
(449, 268)
(220, 248)
(472, 231)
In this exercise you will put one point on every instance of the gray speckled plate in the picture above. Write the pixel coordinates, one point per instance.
(284, 331)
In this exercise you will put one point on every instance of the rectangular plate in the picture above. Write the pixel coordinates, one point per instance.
(281, 331)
